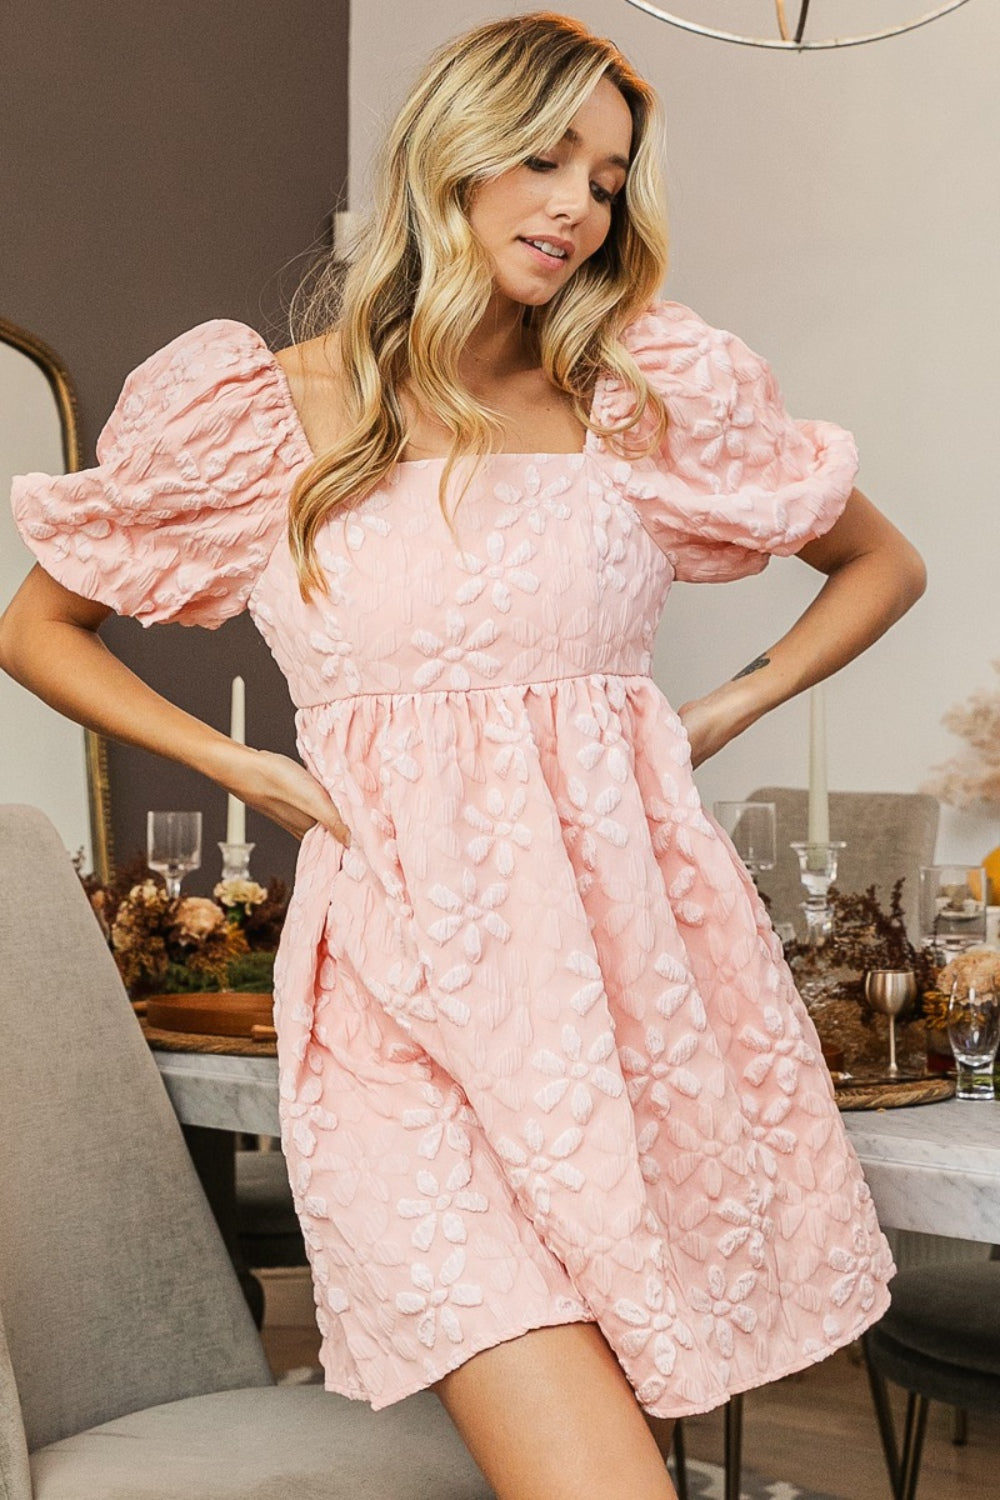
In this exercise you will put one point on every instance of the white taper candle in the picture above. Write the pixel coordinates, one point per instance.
(236, 823)
(819, 802)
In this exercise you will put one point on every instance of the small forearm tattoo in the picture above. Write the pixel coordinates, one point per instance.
(754, 666)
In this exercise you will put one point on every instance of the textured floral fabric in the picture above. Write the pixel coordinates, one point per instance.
(541, 1059)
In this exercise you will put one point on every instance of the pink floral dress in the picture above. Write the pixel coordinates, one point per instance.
(540, 1057)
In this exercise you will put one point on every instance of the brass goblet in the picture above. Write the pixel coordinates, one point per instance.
(889, 992)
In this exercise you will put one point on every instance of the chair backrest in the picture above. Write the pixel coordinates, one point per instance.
(888, 834)
(116, 1291)
(15, 1468)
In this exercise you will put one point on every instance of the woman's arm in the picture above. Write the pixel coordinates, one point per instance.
(873, 574)
(49, 643)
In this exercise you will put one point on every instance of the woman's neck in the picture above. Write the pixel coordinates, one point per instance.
(500, 345)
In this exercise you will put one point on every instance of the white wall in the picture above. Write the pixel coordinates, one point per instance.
(840, 211)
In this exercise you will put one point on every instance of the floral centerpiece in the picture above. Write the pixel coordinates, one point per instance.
(977, 967)
(865, 936)
(193, 943)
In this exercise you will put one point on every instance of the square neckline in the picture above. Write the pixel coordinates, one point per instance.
(288, 400)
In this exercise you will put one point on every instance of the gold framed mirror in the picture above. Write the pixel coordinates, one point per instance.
(44, 759)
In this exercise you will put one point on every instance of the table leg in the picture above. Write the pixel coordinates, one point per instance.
(213, 1153)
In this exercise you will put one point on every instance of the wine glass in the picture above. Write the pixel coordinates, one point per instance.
(173, 846)
(889, 992)
(974, 1033)
(751, 826)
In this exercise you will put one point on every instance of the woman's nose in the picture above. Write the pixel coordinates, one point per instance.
(570, 197)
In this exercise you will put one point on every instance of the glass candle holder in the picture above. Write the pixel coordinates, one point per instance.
(236, 861)
(818, 871)
(952, 909)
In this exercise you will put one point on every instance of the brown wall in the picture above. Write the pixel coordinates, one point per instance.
(161, 165)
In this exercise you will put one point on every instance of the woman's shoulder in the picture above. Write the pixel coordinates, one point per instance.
(314, 374)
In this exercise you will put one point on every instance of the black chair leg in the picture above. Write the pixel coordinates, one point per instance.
(913, 1444)
(959, 1426)
(680, 1461)
(734, 1446)
(883, 1416)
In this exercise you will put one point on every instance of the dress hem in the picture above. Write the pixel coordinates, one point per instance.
(688, 1409)
(462, 1356)
(801, 1362)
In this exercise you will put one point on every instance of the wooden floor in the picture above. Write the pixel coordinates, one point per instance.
(816, 1429)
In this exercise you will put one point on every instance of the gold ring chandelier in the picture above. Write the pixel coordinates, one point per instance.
(792, 38)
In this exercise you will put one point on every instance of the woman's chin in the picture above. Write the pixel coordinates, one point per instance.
(527, 293)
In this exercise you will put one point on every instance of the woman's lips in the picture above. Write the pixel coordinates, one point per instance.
(551, 262)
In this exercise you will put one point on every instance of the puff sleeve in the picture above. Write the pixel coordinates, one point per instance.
(737, 478)
(190, 492)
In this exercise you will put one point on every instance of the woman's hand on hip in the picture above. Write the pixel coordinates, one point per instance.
(711, 722)
(284, 791)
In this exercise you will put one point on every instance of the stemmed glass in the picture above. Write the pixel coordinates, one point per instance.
(889, 992)
(173, 846)
(974, 1033)
(751, 826)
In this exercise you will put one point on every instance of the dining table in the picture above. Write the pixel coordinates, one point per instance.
(931, 1168)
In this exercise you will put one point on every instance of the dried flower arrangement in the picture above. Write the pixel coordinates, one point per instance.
(191, 944)
(865, 936)
(973, 776)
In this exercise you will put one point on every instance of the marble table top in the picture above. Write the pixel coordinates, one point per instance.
(933, 1168)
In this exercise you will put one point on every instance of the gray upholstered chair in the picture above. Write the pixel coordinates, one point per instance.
(129, 1365)
(940, 1341)
(888, 834)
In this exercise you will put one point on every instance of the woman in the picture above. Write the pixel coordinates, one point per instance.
(559, 1134)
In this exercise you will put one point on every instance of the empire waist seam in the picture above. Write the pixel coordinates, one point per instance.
(491, 687)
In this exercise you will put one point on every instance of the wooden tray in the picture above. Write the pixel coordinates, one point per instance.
(884, 1093)
(217, 1013)
(216, 1046)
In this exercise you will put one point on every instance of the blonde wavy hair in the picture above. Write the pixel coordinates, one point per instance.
(419, 280)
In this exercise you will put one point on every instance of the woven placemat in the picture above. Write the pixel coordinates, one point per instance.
(851, 1094)
(887, 1093)
(220, 1046)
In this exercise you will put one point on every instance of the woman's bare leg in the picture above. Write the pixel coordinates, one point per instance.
(551, 1416)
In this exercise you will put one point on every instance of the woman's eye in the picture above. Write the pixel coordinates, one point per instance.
(602, 195)
(539, 164)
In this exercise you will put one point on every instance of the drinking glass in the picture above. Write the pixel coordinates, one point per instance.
(173, 846)
(974, 1033)
(889, 992)
(952, 908)
(751, 826)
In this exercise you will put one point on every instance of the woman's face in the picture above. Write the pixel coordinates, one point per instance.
(540, 221)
